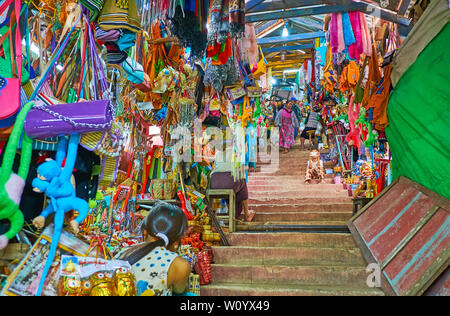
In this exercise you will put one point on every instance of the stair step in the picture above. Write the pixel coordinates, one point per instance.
(309, 226)
(288, 256)
(241, 290)
(291, 239)
(284, 274)
(304, 192)
(323, 188)
(302, 216)
(273, 198)
(301, 207)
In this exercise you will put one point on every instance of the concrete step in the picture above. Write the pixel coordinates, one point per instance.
(308, 191)
(294, 183)
(302, 216)
(284, 274)
(279, 181)
(287, 256)
(273, 199)
(242, 290)
(292, 239)
(260, 186)
(302, 207)
(306, 226)
(282, 173)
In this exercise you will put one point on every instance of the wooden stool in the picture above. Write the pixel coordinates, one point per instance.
(226, 194)
(310, 135)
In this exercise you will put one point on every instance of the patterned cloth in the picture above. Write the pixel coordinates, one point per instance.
(119, 14)
(151, 272)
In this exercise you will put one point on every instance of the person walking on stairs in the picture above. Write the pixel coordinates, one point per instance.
(287, 121)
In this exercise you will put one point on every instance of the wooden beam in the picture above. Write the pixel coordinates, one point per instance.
(404, 25)
(287, 4)
(290, 38)
(272, 28)
(303, 12)
(252, 3)
(287, 48)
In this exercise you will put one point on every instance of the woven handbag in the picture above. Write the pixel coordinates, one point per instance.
(162, 189)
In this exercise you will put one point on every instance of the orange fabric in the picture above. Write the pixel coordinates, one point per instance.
(373, 78)
(343, 81)
(352, 74)
(379, 101)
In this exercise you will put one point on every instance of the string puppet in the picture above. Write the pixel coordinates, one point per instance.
(54, 181)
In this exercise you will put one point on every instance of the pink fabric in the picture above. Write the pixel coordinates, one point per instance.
(367, 48)
(356, 49)
(340, 33)
(334, 33)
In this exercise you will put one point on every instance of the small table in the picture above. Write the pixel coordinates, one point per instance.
(227, 194)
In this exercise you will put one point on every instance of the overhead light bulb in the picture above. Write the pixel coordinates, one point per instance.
(285, 32)
(274, 81)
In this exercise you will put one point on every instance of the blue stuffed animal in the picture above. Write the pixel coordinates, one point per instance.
(55, 183)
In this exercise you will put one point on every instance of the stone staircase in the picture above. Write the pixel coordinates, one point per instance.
(297, 244)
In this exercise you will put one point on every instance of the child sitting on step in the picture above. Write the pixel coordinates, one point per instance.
(314, 169)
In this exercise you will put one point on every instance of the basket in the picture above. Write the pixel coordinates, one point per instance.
(162, 189)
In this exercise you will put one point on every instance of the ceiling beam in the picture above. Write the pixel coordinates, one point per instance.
(290, 38)
(272, 28)
(287, 48)
(404, 25)
(252, 3)
(264, 26)
(303, 12)
(286, 4)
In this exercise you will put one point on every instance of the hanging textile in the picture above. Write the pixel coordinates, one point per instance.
(419, 118)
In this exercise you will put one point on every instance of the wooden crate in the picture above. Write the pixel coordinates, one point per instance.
(405, 230)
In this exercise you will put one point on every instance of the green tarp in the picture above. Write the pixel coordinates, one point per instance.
(419, 118)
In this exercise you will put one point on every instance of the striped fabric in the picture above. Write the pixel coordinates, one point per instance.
(119, 15)
(107, 36)
(94, 6)
(114, 55)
